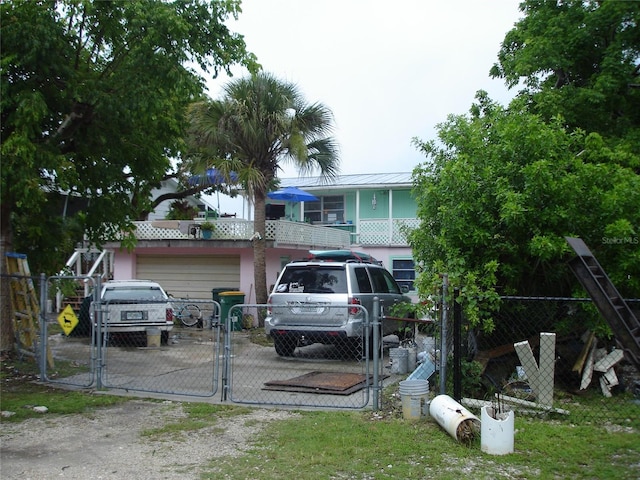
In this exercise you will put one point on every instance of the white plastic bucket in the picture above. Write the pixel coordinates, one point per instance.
(153, 337)
(459, 422)
(496, 432)
(398, 357)
(415, 399)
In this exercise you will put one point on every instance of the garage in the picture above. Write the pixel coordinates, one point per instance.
(190, 276)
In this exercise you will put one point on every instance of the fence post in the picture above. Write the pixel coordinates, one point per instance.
(376, 352)
(443, 335)
(457, 346)
(42, 360)
(97, 301)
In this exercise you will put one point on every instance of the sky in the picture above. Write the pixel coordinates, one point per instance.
(389, 71)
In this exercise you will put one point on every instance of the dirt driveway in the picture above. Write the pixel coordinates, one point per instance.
(109, 443)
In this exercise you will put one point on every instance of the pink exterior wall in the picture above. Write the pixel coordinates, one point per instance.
(125, 263)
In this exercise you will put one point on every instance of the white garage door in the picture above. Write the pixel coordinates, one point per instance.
(192, 276)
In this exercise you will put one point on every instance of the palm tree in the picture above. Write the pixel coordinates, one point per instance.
(259, 124)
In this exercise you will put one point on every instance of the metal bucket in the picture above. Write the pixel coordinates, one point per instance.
(398, 357)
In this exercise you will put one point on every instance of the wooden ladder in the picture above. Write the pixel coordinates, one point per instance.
(612, 307)
(25, 307)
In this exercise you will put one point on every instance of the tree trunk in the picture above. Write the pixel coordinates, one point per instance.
(259, 254)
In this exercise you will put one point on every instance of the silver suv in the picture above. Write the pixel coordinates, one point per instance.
(298, 312)
(131, 306)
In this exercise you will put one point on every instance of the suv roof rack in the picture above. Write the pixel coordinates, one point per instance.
(341, 256)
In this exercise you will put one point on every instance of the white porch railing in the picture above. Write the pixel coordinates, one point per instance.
(283, 232)
(385, 231)
(87, 262)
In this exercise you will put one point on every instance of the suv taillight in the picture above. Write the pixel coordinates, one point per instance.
(354, 301)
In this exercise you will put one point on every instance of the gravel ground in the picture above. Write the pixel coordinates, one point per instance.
(107, 444)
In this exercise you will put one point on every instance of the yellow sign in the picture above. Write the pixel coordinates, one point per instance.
(67, 319)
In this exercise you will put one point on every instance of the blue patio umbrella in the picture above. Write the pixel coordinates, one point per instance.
(292, 194)
(212, 176)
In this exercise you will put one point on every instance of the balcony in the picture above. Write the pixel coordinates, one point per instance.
(280, 232)
(388, 232)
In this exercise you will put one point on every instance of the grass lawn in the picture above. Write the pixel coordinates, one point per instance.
(370, 445)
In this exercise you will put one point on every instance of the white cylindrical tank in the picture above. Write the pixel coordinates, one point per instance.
(459, 422)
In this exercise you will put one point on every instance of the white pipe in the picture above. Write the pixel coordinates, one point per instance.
(459, 422)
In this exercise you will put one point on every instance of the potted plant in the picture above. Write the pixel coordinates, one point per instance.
(207, 229)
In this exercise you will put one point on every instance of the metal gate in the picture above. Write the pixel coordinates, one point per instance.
(218, 349)
(316, 375)
(90, 354)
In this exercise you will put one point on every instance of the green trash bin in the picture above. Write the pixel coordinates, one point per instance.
(228, 300)
(215, 292)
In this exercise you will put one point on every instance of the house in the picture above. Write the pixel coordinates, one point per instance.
(364, 212)
(170, 186)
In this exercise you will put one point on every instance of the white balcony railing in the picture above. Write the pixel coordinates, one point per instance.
(386, 231)
(283, 232)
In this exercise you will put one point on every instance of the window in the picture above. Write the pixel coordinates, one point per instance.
(404, 271)
(305, 279)
(328, 209)
(382, 281)
(133, 293)
(364, 285)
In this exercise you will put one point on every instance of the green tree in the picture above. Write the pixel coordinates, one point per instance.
(259, 124)
(502, 189)
(578, 59)
(93, 96)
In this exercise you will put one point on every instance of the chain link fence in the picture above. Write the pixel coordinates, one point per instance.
(209, 348)
(552, 357)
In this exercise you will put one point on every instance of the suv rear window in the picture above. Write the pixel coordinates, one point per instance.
(312, 279)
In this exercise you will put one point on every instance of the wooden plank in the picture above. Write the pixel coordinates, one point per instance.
(579, 364)
(587, 371)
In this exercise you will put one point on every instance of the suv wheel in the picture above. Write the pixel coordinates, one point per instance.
(285, 346)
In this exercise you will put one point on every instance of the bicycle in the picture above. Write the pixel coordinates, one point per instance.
(189, 315)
